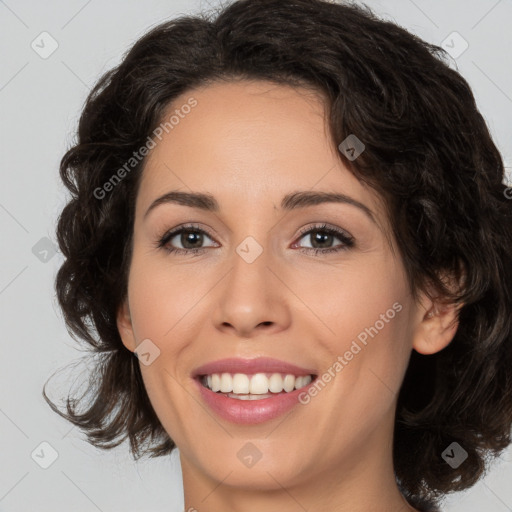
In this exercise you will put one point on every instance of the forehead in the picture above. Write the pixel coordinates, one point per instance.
(251, 140)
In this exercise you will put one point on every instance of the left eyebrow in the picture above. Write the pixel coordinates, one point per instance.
(310, 198)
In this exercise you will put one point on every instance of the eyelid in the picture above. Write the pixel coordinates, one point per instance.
(324, 226)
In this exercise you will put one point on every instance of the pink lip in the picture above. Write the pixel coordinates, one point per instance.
(250, 366)
(248, 412)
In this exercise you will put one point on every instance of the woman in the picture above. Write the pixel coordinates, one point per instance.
(293, 215)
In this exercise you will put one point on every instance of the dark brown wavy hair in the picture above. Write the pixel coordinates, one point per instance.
(428, 153)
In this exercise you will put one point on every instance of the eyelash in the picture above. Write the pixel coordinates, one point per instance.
(347, 240)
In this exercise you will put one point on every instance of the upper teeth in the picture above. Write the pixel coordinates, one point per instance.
(258, 384)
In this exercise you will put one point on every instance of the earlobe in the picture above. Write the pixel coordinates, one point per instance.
(436, 329)
(124, 326)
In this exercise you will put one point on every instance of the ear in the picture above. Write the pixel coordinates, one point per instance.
(124, 326)
(436, 327)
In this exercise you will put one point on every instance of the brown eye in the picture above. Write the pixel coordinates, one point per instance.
(190, 239)
(321, 239)
(187, 239)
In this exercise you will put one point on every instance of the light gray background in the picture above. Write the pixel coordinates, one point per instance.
(40, 100)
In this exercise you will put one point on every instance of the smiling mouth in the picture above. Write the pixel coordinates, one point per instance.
(256, 386)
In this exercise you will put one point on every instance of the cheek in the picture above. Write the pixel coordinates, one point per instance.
(161, 304)
(368, 319)
(162, 299)
(351, 298)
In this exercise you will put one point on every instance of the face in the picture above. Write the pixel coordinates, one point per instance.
(269, 273)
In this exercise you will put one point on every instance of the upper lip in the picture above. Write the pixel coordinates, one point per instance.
(250, 366)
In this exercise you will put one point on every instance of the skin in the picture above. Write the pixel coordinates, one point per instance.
(248, 143)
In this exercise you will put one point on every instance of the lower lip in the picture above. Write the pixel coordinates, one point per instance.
(248, 412)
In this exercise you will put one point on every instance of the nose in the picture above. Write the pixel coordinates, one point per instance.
(252, 299)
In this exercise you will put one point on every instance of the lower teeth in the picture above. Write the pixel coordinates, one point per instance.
(249, 397)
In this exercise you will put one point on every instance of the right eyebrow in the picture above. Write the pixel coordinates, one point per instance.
(193, 199)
